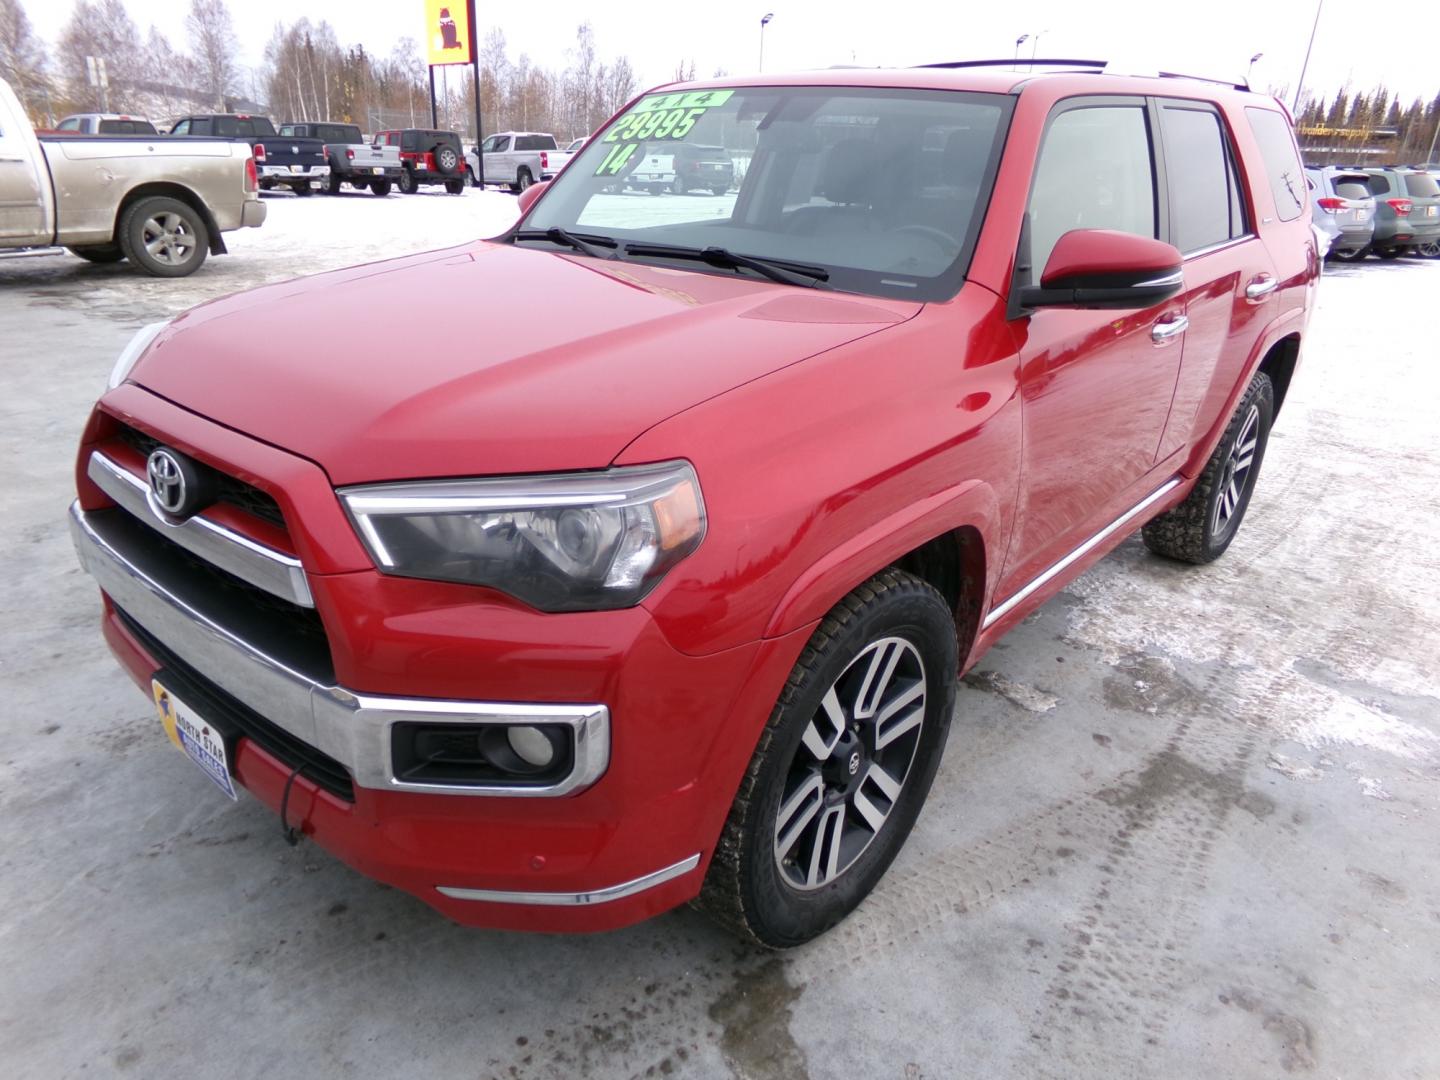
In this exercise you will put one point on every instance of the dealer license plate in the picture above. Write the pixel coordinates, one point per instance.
(1362, 215)
(196, 739)
(1430, 211)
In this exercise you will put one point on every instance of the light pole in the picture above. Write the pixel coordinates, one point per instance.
(1251, 66)
(764, 20)
(1018, 42)
(1319, 4)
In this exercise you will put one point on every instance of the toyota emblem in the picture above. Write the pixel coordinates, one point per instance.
(167, 482)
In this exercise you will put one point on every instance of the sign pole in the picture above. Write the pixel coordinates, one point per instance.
(479, 130)
(434, 119)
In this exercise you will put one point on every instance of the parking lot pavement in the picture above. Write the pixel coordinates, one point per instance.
(1186, 824)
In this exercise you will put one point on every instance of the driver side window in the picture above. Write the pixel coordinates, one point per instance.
(1095, 172)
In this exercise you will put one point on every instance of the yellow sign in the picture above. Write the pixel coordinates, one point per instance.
(447, 32)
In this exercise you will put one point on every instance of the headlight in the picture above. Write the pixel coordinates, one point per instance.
(133, 351)
(579, 542)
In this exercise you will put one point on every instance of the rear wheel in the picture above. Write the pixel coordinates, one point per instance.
(1390, 253)
(1430, 249)
(303, 189)
(1201, 528)
(719, 190)
(99, 253)
(380, 187)
(407, 183)
(163, 236)
(1351, 256)
(679, 186)
(455, 187)
(523, 180)
(842, 768)
(332, 184)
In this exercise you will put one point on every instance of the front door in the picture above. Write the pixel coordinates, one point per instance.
(1095, 385)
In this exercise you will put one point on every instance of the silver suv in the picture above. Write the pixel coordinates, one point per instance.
(1407, 212)
(1344, 209)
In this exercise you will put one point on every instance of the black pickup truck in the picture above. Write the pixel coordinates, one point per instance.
(295, 163)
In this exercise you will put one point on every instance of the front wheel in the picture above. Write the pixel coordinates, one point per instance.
(163, 236)
(679, 186)
(455, 187)
(99, 253)
(842, 768)
(407, 183)
(332, 184)
(1201, 528)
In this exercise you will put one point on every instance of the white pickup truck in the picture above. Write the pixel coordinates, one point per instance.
(518, 158)
(364, 166)
(161, 203)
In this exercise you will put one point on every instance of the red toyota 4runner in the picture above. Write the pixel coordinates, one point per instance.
(661, 591)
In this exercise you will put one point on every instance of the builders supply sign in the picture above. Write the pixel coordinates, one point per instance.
(449, 32)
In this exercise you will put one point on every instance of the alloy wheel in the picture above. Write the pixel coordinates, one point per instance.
(168, 239)
(851, 765)
(1237, 472)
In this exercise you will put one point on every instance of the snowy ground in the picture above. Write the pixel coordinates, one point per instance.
(1186, 825)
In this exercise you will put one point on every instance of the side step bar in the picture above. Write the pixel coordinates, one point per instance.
(22, 253)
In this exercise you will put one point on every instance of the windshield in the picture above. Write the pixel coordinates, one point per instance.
(884, 189)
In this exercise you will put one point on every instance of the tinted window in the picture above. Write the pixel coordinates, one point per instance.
(1379, 184)
(1421, 186)
(502, 144)
(1202, 186)
(1277, 147)
(69, 124)
(1094, 172)
(1352, 188)
(295, 131)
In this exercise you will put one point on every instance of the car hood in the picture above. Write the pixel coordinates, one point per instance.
(486, 359)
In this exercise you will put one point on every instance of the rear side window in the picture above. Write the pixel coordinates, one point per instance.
(1095, 172)
(1421, 186)
(1282, 165)
(1351, 187)
(70, 124)
(1379, 184)
(1204, 194)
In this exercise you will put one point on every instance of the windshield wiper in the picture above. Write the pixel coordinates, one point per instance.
(586, 244)
(786, 273)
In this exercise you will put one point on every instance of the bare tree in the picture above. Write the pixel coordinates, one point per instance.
(212, 36)
(102, 29)
(22, 59)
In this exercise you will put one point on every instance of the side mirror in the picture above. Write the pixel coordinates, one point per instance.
(527, 198)
(1103, 268)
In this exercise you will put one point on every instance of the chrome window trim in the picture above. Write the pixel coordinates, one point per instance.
(1001, 610)
(1220, 246)
(354, 729)
(273, 571)
(574, 899)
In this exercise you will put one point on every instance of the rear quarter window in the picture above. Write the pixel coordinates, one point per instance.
(1421, 186)
(1352, 189)
(1282, 163)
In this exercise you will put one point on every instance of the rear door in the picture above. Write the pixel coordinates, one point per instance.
(1281, 205)
(1095, 384)
(1230, 283)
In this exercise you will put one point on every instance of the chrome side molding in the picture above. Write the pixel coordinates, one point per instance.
(1001, 610)
(574, 899)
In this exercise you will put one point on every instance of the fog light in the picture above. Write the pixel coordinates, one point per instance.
(531, 745)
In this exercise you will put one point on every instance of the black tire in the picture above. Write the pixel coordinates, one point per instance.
(749, 886)
(333, 184)
(381, 186)
(303, 190)
(99, 253)
(657, 189)
(407, 183)
(679, 186)
(447, 159)
(1390, 253)
(455, 187)
(1350, 256)
(138, 230)
(1196, 531)
(719, 190)
(523, 180)
(1429, 249)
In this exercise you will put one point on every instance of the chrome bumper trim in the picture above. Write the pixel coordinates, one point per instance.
(277, 573)
(574, 899)
(354, 729)
(1001, 610)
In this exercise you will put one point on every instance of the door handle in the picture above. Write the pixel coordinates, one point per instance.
(1261, 287)
(1162, 333)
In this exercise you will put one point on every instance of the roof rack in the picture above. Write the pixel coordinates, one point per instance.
(1102, 66)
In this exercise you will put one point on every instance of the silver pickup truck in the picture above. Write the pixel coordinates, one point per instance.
(352, 159)
(161, 203)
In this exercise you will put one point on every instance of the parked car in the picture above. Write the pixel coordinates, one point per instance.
(660, 587)
(105, 124)
(1407, 211)
(1344, 210)
(163, 205)
(364, 166)
(427, 157)
(575, 146)
(294, 162)
(650, 168)
(518, 158)
(701, 168)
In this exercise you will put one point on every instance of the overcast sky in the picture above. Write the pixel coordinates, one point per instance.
(1213, 37)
